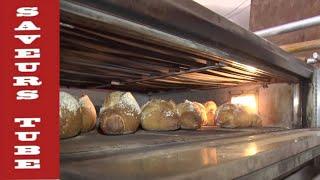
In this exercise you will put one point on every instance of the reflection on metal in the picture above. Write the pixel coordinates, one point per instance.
(66, 25)
(316, 83)
(216, 66)
(251, 69)
(251, 150)
(313, 101)
(289, 27)
(297, 108)
(311, 61)
(314, 58)
(209, 156)
(147, 158)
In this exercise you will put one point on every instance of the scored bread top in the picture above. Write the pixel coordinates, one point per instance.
(122, 100)
(186, 106)
(167, 107)
(68, 102)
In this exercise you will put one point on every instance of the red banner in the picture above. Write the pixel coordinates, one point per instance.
(29, 84)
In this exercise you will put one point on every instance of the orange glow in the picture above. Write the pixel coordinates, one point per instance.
(248, 101)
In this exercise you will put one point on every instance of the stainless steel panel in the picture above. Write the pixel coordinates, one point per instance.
(313, 101)
(316, 83)
(225, 158)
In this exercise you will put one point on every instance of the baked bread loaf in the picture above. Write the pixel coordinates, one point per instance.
(236, 116)
(119, 114)
(88, 113)
(191, 115)
(70, 117)
(202, 111)
(211, 109)
(159, 115)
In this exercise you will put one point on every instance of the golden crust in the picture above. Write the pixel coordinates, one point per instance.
(211, 108)
(202, 110)
(191, 115)
(119, 114)
(159, 115)
(235, 116)
(70, 124)
(88, 113)
(70, 117)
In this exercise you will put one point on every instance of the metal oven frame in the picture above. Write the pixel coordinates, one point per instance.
(185, 27)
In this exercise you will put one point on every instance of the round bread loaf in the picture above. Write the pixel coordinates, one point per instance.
(211, 109)
(88, 113)
(70, 117)
(235, 116)
(200, 108)
(191, 115)
(159, 115)
(119, 114)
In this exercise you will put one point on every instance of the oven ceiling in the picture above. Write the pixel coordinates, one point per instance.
(237, 11)
(114, 49)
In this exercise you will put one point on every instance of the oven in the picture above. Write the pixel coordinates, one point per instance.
(178, 50)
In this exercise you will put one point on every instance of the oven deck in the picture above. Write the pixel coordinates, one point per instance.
(206, 153)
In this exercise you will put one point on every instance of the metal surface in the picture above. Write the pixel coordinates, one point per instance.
(222, 158)
(316, 84)
(95, 145)
(307, 171)
(99, 32)
(289, 27)
(283, 168)
(217, 66)
(297, 107)
(313, 99)
(212, 29)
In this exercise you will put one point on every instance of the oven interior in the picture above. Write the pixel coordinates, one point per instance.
(102, 52)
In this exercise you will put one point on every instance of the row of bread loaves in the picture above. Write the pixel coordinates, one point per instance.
(236, 116)
(121, 114)
(161, 115)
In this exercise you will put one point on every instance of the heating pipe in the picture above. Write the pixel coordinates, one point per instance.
(289, 27)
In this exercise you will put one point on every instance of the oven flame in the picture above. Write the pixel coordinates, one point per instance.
(249, 101)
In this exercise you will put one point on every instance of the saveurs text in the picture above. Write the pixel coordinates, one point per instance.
(27, 60)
